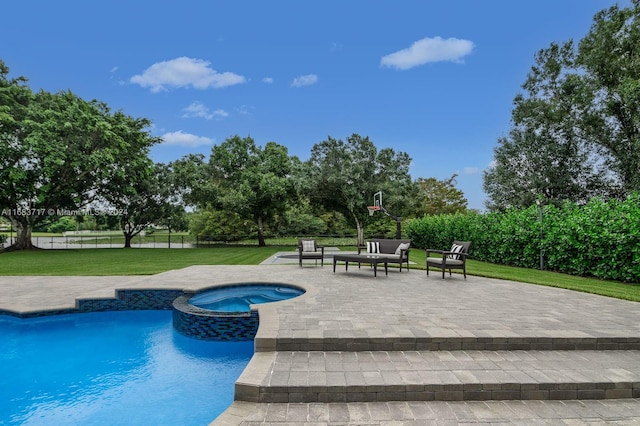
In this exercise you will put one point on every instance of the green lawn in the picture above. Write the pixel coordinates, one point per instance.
(148, 261)
(118, 261)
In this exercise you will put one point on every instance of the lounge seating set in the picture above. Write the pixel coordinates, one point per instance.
(385, 251)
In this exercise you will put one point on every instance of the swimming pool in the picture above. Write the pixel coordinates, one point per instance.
(126, 367)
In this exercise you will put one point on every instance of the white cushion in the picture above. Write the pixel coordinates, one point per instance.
(402, 246)
(373, 247)
(456, 248)
(308, 245)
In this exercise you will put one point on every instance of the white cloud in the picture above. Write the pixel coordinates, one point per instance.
(185, 72)
(220, 113)
(199, 110)
(267, 80)
(434, 49)
(470, 170)
(304, 80)
(244, 109)
(185, 139)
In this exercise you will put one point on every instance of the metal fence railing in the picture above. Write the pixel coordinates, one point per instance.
(97, 240)
(105, 241)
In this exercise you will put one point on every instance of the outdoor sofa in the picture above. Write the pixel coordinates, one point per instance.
(394, 250)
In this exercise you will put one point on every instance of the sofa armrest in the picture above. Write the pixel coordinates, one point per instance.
(404, 253)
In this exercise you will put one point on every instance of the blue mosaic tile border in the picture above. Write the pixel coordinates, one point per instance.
(128, 300)
(189, 320)
(204, 324)
(124, 300)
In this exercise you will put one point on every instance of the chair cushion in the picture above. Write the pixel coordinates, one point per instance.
(402, 246)
(455, 248)
(308, 245)
(373, 247)
(449, 262)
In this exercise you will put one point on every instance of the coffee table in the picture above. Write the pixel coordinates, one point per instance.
(371, 259)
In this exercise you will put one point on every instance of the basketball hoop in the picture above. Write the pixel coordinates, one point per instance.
(373, 209)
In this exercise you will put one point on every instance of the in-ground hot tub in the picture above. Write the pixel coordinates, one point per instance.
(224, 313)
(239, 298)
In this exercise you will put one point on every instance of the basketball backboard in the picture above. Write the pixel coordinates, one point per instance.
(377, 199)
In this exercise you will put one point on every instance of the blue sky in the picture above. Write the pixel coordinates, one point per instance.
(435, 79)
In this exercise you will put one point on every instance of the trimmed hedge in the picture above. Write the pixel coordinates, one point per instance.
(600, 239)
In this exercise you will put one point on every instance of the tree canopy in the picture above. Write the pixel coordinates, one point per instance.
(252, 181)
(60, 152)
(440, 196)
(576, 129)
(344, 176)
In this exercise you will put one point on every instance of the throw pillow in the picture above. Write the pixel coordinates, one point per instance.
(308, 245)
(373, 247)
(456, 248)
(402, 246)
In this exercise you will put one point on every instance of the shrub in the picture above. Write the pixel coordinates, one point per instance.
(600, 239)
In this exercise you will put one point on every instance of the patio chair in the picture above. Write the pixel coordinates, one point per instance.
(455, 258)
(309, 249)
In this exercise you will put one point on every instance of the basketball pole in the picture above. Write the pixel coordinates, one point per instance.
(377, 201)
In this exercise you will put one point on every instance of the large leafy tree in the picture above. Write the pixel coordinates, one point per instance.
(440, 196)
(252, 181)
(191, 181)
(58, 152)
(576, 129)
(608, 61)
(344, 176)
(146, 197)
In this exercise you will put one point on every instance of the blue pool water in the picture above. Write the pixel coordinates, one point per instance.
(238, 298)
(113, 368)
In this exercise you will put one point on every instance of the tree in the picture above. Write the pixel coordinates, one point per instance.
(173, 215)
(140, 201)
(299, 219)
(252, 181)
(608, 61)
(220, 225)
(345, 175)
(441, 196)
(191, 181)
(548, 151)
(59, 152)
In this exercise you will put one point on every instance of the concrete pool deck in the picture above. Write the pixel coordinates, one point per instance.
(406, 348)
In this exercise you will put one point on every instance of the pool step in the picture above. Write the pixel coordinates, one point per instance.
(367, 376)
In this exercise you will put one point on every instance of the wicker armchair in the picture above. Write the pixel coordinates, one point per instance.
(309, 249)
(455, 258)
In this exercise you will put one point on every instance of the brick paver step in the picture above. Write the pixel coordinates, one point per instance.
(286, 377)
(420, 413)
(349, 344)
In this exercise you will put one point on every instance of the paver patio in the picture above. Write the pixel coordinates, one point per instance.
(405, 348)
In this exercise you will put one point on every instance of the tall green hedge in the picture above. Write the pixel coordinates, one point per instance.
(600, 239)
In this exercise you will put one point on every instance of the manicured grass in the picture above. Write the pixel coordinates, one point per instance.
(533, 276)
(132, 261)
(146, 261)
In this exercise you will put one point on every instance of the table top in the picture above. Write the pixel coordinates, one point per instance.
(368, 257)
